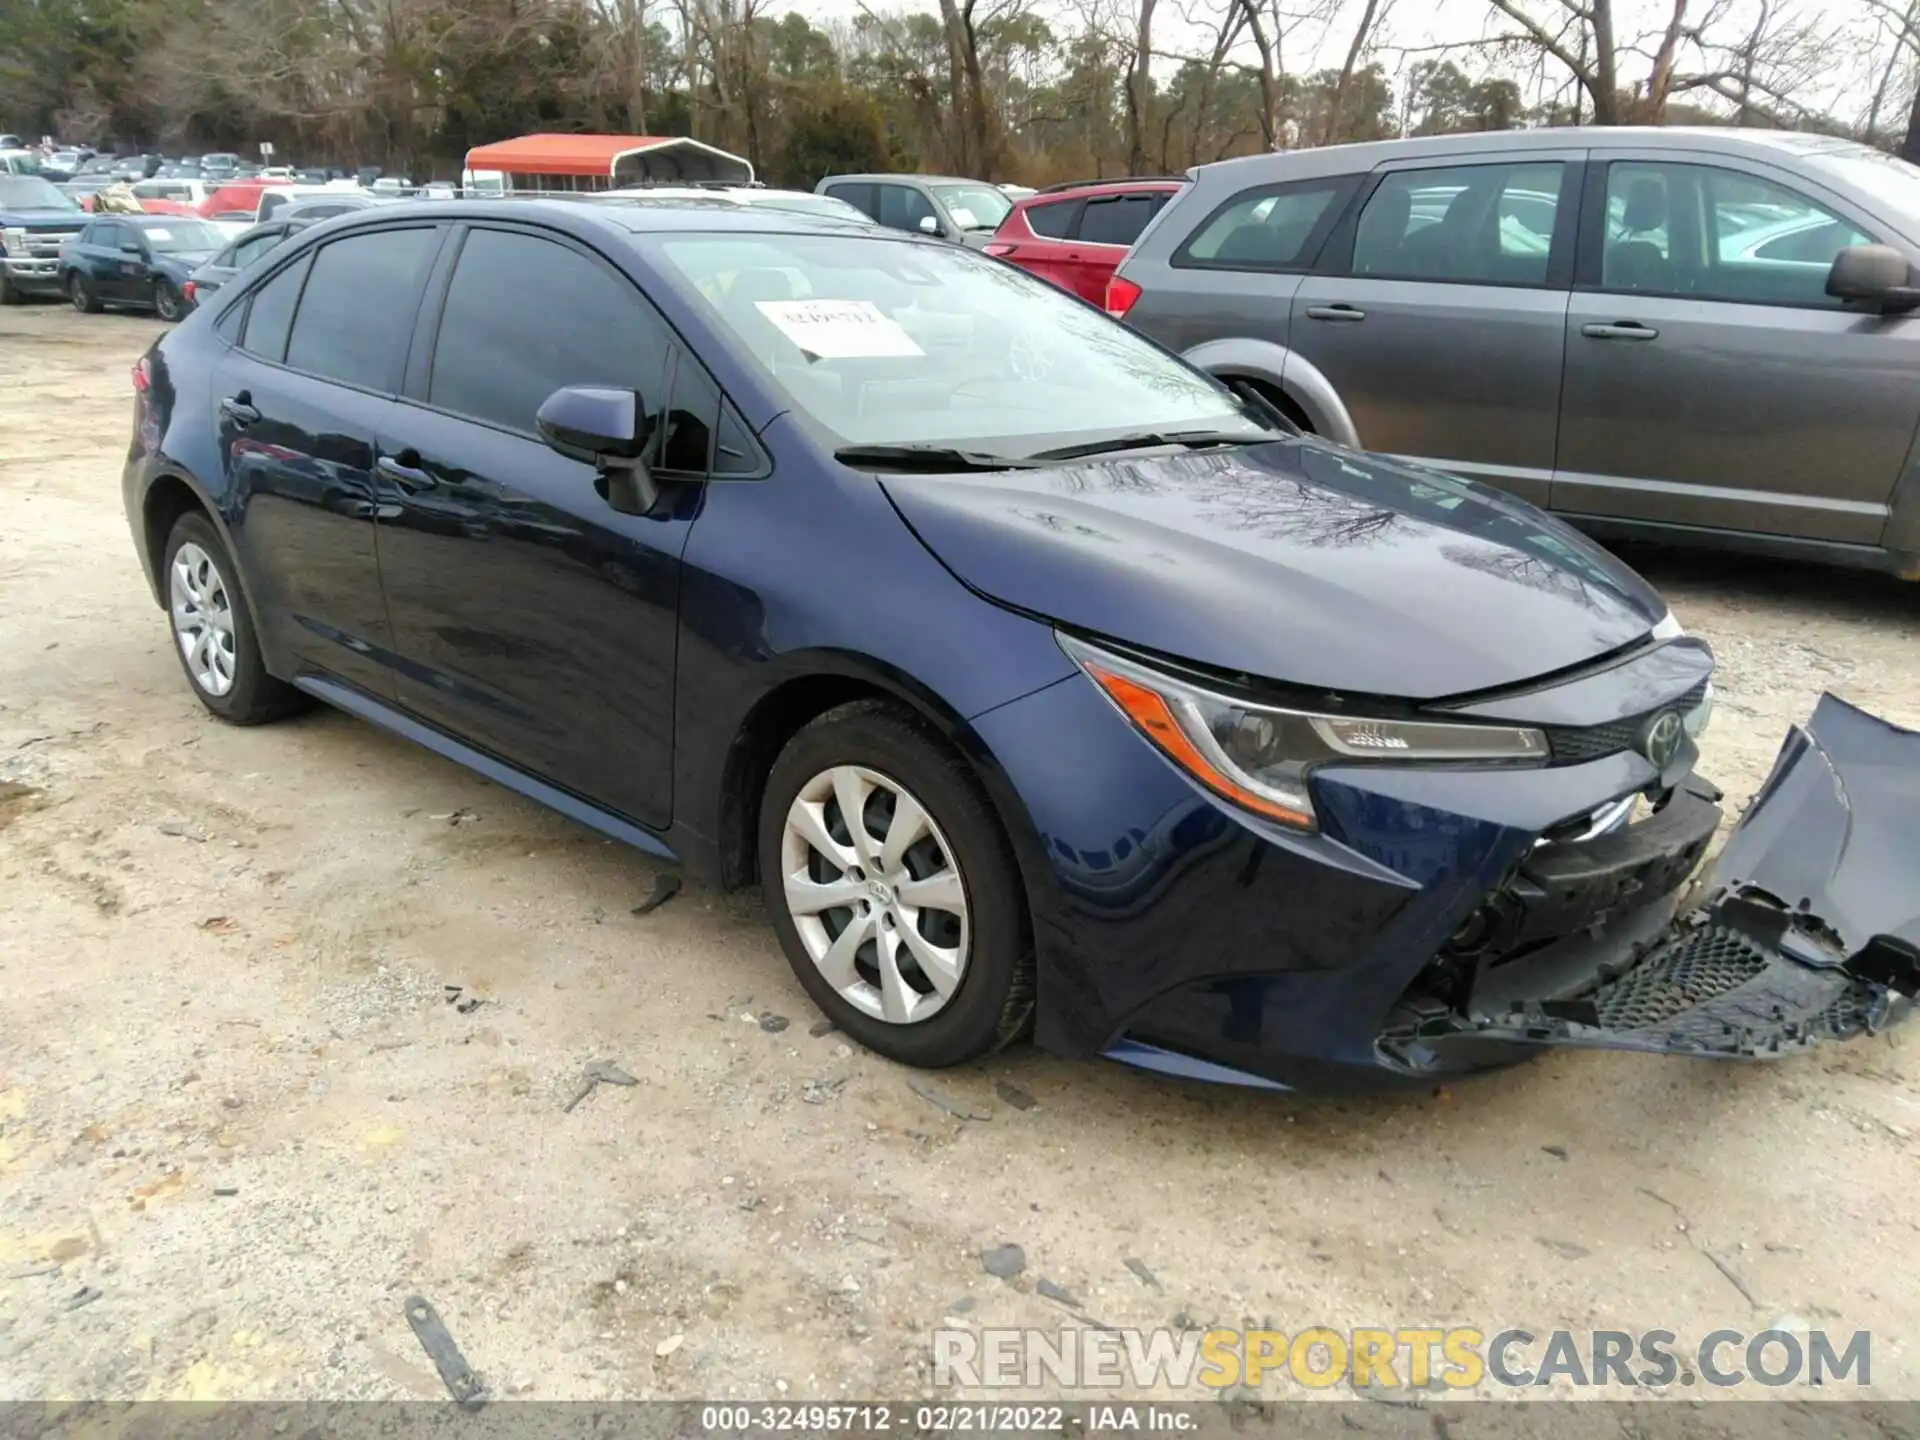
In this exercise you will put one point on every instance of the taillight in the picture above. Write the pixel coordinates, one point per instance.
(141, 378)
(1121, 295)
(187, 292)
(996, 248)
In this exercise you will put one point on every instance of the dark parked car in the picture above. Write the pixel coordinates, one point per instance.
(1642, 329)
(938, 205)
(1076, 235)
(1036, 677)
(139, 261)
(37, 219)
(241, 251)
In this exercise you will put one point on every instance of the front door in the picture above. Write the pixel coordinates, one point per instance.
(1710, 379)
(300, 402)
(1442, 324)
(532, 619)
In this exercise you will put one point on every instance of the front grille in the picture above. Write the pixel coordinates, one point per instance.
(46, 247)
(1573, 744)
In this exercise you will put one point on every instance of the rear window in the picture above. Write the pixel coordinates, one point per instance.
(1273, 227)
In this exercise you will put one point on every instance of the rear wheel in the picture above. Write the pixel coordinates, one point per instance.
(80, 292)
(9, 292)
(213, 632)
(168, 302)
(893, 890)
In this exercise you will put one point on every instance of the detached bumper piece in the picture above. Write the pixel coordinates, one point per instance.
(1812, 931)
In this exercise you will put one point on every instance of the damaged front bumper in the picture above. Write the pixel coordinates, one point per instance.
(1807, 927)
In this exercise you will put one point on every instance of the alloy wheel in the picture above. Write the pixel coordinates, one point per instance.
(167, 301)
(78, 293)
(202, 618)
(876, 897)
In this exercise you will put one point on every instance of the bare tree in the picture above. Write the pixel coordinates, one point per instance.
(1337, 104)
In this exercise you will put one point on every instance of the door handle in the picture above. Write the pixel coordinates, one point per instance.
(1345, 313)
(1620, 330)
(239, 409)
(404, 470)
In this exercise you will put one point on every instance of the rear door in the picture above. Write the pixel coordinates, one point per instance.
(857, 193)
(1710, 379)
(1438, 313)
(1037, 238)
(301, 400)
(532, 618)
(1104, 231)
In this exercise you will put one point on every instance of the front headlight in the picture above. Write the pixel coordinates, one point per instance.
(1259, 756)
(13, 240)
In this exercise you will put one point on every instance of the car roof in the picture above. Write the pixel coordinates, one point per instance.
(147, 220)
(632, 215)
(1345, 159)
(1097, 187)
(929, 179)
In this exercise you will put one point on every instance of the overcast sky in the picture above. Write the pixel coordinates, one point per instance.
(1412, 28)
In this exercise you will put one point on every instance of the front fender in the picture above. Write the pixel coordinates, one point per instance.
(1286, 371)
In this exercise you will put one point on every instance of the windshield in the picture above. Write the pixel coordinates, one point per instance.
(1893, 182)
(887, 341)
(974, 207)
(31, 192)
(182, 237)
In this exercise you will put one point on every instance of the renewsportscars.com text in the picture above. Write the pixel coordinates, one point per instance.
(1457, 1358)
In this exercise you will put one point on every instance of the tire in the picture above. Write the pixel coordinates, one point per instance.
(9, 292)
(168, 303)
(991, 1003)
(198, 578)
(80, 292)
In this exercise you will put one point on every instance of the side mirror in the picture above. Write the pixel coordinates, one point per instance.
(1875, 274)
(134, 250)
(929, 225)
(606, 429)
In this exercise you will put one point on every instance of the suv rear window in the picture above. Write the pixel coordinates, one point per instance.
(1051, 220)
(1272, 227)
(1118, 219)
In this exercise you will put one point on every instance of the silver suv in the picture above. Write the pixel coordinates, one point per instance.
(1652, 332)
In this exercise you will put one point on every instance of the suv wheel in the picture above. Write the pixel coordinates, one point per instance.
(80, 292)
(893, 890)
(213, 632)
(9, 292)
(168, 302)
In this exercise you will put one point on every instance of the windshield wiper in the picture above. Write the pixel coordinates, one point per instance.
(1148, 439)
(933, 459)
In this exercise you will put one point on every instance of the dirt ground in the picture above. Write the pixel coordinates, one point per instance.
(237, 1103)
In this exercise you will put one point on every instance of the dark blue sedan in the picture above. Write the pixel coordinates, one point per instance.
(1040, 681)
(141, 262)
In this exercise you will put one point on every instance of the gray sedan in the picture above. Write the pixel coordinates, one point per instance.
(1707, 336)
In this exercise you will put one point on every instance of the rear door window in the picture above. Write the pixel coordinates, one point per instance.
(1469, 224)
(857, 194)
(1270, 227)
(526, 316)
(357, 312)
(1117, 219)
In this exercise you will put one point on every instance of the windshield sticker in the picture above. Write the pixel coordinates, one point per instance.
(839, 329)
(963, 217)
(159, 234)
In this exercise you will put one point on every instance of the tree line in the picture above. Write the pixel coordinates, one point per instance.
(1009, 90)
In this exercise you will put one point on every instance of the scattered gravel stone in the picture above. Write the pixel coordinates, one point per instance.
(1147, 1276)
(1558, 1152)
(1003, 1262)
(1057, 1293)
(1013, 1095)
(667, 1346)
(821, 1027)
(773, 1024)
(1565, 1249)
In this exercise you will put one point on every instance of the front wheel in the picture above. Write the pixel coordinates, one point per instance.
(80, 292)
(9, 292)
(893, 889)
(168, 302)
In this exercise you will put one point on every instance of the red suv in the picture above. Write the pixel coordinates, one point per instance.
(1075, 235)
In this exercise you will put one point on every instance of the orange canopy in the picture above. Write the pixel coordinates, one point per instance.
(601, 155)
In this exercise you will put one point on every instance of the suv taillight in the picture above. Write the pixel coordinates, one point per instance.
(141, 378)
(187, 292)
(1121, 295)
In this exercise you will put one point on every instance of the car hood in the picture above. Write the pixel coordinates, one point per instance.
(43, 219)
(1295, 561)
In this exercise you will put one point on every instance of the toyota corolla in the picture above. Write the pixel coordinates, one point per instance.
(1042, 683)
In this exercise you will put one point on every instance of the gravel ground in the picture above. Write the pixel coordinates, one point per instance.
(242, 1099)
